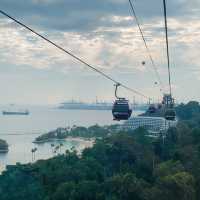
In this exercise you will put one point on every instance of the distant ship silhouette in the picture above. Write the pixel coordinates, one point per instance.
(26, 112)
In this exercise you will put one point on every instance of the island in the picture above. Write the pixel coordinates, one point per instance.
(91, 132)
(3, 146)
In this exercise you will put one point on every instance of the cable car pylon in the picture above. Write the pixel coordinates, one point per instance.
(168, 100)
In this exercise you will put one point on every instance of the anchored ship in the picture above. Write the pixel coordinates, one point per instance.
(26, 112)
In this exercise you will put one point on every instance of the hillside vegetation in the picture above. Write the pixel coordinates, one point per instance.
(123, 166)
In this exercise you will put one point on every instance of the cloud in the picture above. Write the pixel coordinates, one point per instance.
(87, 15)
(103, 33)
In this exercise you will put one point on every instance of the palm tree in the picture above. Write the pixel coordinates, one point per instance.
(52, 146)
(33, 151)
(60, 145)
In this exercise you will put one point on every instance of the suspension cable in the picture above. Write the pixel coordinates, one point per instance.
(167, 44)
(73, 56)
(146, 46)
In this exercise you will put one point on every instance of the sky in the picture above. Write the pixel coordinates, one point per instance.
(104, 34)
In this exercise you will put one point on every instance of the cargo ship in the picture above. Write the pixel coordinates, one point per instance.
(74, 105)
(26, 112)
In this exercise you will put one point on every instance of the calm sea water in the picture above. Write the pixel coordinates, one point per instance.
(20, 131)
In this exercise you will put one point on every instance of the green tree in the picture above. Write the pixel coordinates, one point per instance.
(173, 187)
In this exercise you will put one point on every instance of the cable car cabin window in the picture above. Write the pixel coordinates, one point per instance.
(121, 107)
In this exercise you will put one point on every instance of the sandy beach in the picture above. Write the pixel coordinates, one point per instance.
(84, 143)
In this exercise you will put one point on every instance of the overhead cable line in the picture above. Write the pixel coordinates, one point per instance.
(146, 46)
(167, 45)
(73, 56)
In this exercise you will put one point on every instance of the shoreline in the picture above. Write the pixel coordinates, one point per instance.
(82, 144)
(76, 132)
(87, 141)
(69, 138)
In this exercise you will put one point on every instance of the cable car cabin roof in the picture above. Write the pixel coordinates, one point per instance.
(152, 106)
(121, 102)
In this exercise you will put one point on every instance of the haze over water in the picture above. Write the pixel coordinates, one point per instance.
(20, 131)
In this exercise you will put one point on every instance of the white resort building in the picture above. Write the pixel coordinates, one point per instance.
(154, 125)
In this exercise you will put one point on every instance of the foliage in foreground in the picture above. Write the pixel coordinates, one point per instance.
(123, 166)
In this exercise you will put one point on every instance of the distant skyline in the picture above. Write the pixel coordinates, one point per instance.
(103, 33)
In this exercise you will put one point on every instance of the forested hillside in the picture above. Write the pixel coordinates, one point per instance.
(124, 166)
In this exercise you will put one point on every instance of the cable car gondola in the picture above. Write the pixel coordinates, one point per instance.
(168, 102)
(143, 63)
(152, 109)
(170, 114)
(121, 109)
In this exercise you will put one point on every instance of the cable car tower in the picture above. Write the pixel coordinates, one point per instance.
(168, 100)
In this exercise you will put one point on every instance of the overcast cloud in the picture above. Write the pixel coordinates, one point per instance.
(103, 33)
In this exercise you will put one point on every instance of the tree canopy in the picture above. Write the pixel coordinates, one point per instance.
(122, 166)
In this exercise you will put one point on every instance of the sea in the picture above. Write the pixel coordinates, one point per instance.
(20, 131)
